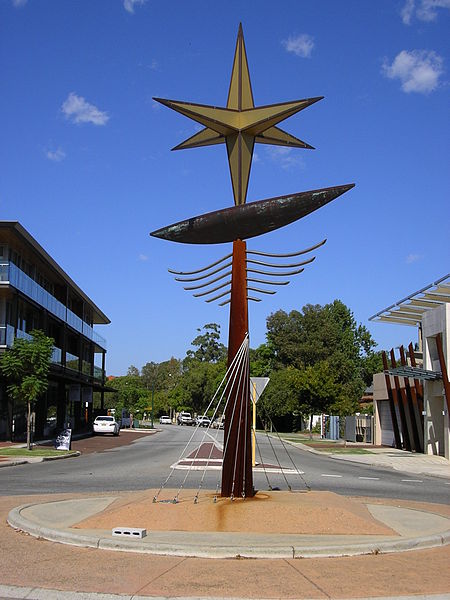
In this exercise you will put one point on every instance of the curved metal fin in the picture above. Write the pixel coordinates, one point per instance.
(206, 283)
(282, 274)
(260, 262)
(219, 296)
(219, 287)
(290, 254)
(266, 281)
(186, 279)
(201, 270)
(253, 299)
(255, 289)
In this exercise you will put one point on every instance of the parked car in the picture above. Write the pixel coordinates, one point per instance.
(185, 418)
(106, 424)
(203, 421)
(218, 423)
(165, 420)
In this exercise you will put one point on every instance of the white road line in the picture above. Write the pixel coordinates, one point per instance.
(215, 440)
(371, 478)
(325, 475)
(413, 480)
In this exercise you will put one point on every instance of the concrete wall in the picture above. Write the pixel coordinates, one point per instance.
(437, 430)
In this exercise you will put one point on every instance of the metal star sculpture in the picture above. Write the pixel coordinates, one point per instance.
(240, 125)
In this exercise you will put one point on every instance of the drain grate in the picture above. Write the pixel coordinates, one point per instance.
(129, 532)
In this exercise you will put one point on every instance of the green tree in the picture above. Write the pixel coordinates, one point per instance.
(323, 334)
(209, 349)
(26, 367)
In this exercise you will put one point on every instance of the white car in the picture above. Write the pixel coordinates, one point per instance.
(165, 420)
(218, 423)
(106, 424)
(202, 421)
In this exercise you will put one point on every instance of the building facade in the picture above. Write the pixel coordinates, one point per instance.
(35, 293)
(412, 396)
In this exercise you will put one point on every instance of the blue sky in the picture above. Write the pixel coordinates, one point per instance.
(86, 165)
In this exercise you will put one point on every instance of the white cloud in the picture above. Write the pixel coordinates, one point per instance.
(418, 70)
(407, 11)
(143, 257)
(130, 4)
(412, 258)
(285, 157)
(79, 111)
(56, 155)
(425, 10)
(301, 45)
(19, 3)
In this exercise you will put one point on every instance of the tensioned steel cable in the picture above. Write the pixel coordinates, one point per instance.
(241, 378)
(246, 408)
(190, 439)
(262, 462)
(213, 445)
(227, 437)
(204, 437)
(308, 487)
(277, 459)
(175, 500)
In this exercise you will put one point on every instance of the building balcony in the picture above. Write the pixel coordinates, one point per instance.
(12, 275)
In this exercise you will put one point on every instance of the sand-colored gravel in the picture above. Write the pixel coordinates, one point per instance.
(308, 513)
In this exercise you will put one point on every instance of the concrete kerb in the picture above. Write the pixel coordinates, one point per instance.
(47, 594)
(230, 550)
(37, 459)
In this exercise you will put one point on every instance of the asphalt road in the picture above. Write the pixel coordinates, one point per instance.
(146, 464)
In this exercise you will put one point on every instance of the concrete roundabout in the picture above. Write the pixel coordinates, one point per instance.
(273, 524)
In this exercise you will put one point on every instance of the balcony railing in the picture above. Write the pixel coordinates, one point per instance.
(56, 355)
(86, 367)
(9, 272)
(6, 335)
(72, 362)
(98, 373)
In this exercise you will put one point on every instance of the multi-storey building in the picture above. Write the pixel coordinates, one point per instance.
(35, 293)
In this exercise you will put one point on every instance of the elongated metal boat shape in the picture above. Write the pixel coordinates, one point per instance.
(249, 220)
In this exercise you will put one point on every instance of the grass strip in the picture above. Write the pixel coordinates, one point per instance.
(36, 452)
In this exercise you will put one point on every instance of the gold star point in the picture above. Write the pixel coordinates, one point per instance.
(240, 124)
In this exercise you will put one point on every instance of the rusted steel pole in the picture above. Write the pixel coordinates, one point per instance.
(413, 408)
(397, 438)
(444, 372)
(237, 477)
(401, 400)
(417, 384)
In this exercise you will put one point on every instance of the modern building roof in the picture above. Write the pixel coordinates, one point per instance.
(411, 309)
(99, 316)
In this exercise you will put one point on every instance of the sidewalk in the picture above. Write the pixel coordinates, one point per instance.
(400, 460)
(39, 569)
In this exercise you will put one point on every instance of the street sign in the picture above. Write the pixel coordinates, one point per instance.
(257, 386)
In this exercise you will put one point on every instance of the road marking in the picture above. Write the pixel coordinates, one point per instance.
(413, 480)
(371, 478)
(215, 440)
(325, 475)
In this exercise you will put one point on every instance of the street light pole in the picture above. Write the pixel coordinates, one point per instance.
(153, 394)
